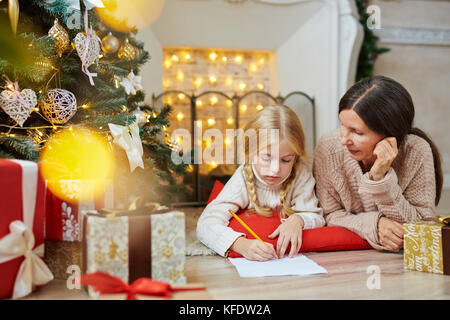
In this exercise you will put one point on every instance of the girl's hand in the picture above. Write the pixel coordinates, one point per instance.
(386, 151)
(289, 231)
(253, 249)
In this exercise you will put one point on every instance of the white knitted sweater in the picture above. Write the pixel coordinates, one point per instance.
(212, 225)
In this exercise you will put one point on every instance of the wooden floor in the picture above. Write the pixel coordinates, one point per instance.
(346, 279)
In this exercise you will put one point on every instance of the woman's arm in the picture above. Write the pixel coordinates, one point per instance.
(417, 200)
(363, 224)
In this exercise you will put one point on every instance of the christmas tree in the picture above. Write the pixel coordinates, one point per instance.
(62, 68)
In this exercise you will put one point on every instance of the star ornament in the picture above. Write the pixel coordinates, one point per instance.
(131, 83)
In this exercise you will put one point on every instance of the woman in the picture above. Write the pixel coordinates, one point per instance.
(377, 171)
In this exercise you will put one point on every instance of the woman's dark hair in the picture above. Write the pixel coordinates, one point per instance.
(387, 108)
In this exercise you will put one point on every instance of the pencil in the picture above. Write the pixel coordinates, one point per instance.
(248, 228)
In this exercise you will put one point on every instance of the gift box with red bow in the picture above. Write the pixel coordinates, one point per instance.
(135, 243)
(22, 213)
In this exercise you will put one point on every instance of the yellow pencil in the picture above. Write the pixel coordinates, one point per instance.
(248, 228)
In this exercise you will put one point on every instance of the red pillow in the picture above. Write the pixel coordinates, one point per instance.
(318, 239)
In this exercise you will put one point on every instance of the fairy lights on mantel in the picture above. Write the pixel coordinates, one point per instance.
(198, 70)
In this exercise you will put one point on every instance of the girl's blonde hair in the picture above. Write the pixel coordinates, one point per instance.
(283, 119)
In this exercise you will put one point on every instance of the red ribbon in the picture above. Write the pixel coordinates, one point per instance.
(106, 283)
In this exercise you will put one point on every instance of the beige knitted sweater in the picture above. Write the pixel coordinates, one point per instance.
(350, 199)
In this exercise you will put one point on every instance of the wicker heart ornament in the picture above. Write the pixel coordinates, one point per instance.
(59, 106)
(88, 49)
(18, 104)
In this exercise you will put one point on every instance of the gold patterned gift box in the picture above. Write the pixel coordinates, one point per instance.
(427, 246)
(133, 245)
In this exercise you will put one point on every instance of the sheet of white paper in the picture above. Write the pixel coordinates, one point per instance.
(297, 265)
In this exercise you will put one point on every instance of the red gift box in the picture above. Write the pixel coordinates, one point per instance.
(22, 213)
(63, 217)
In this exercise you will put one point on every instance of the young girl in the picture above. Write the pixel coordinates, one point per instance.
(274, 176)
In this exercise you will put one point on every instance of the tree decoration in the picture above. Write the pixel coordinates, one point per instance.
(127, 51)
(110, 44)
(61, 37)
(131, 83)
(13, 12)
(18, 105)
(59, 106)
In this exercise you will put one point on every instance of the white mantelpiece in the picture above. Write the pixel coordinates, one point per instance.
(316, 43)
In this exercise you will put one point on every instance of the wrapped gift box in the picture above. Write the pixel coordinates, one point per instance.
(63, 222)
(427, 246)
(63, 217)
(135, 244)
(22, 213)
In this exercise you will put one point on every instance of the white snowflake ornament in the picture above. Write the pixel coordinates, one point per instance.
(131, 83)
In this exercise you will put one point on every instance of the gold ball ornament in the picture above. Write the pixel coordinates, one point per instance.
(126, 16)
(127, 51)
(61, 37)
(110, 44)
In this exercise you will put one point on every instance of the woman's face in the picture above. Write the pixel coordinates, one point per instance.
(357, 137)
(272, 165)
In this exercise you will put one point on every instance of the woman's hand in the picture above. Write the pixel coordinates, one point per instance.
(386, 151)
(390, 234)
(253, 249)
(289, 231)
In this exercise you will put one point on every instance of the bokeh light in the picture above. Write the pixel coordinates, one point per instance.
(81, 156)
(126, 15)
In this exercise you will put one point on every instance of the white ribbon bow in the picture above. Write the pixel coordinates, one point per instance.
(33, 271)
(127, 137)
(89, 4)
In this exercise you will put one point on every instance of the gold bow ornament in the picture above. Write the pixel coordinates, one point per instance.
(33, 271)
(127, 137)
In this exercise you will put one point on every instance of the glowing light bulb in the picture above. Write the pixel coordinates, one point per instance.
(212, 79)
(198, 82)
(253, 68)
(229, 81)
(238, 59)
(213, 56)
(259, 107)
(175, 58)
(180, 116)
(213, 100)
(211, 121)
(260, 86)
(166, 82)
(244, 107)
(230, 120)
(229, 103)
(224, 59)
(180, 76)
(199, 103)
(181, 96)
(242, 86)
(167, 63)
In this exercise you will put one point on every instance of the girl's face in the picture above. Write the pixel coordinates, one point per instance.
(357, 137)
(272, 165)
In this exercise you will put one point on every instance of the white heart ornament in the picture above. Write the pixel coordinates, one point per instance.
(88, 51)
(18, 104)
